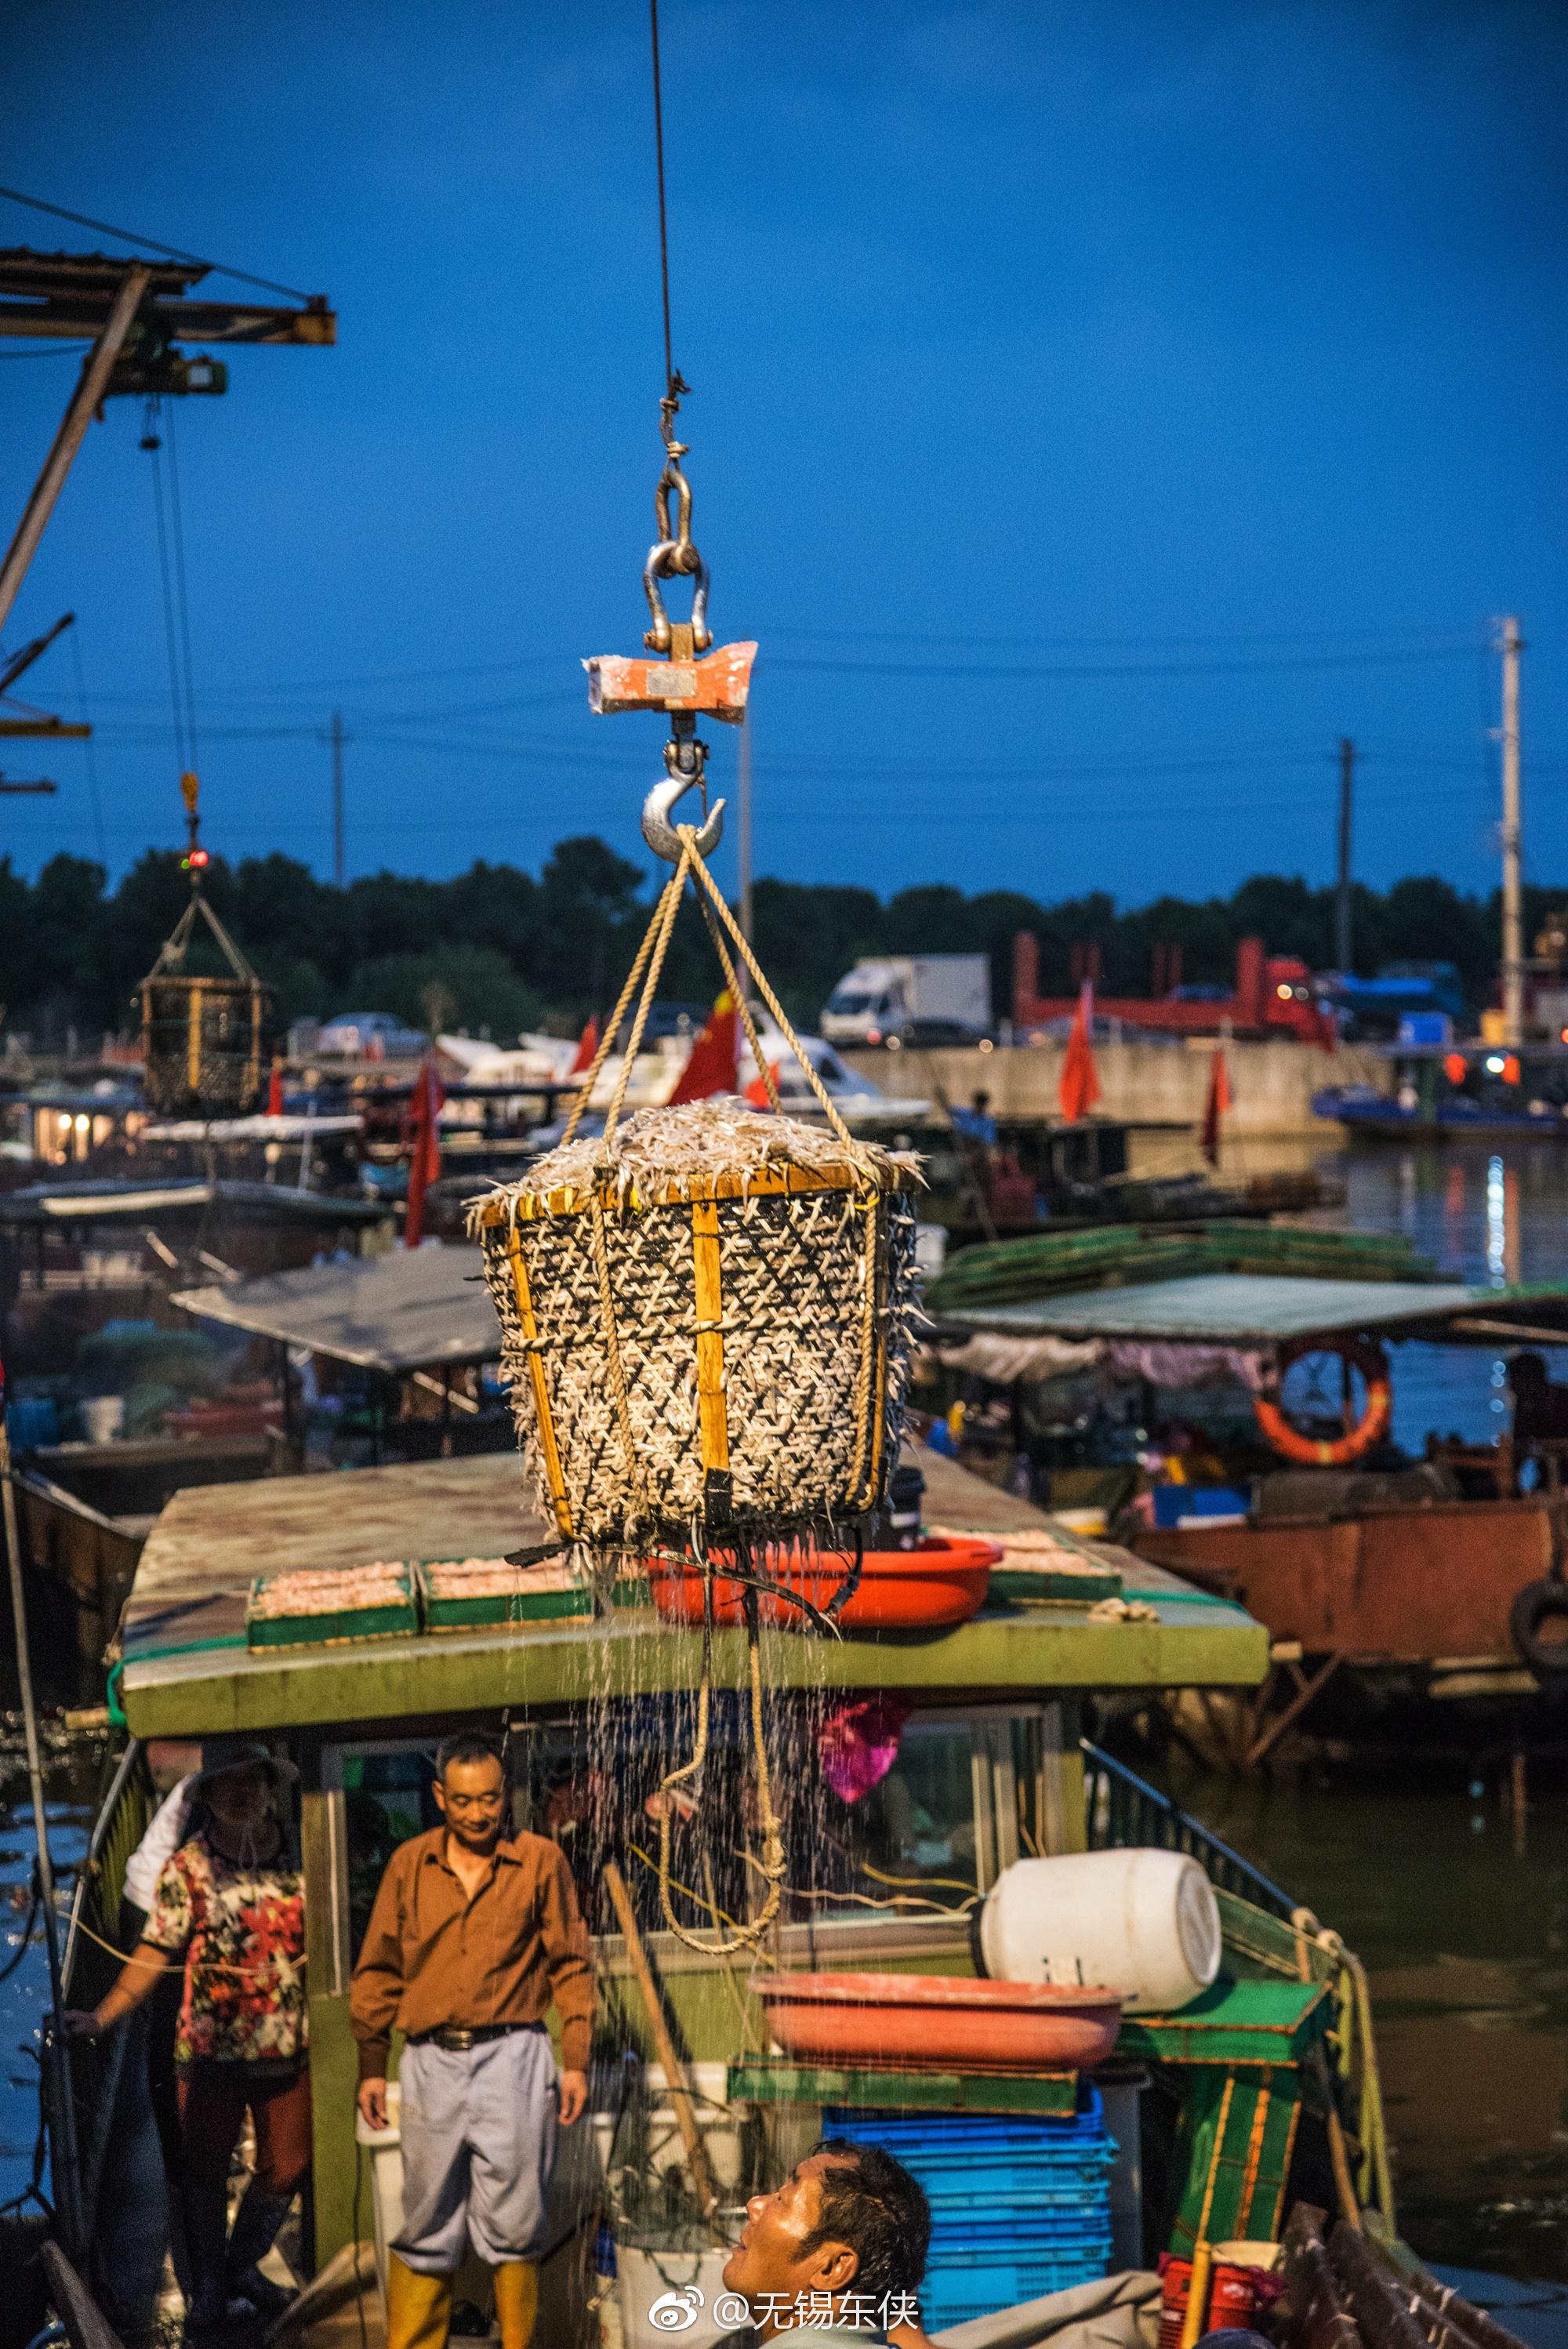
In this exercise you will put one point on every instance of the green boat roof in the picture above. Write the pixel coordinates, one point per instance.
(187, 1670)
(1235, 1308)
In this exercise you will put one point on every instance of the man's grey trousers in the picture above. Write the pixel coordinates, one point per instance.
(479, 2144)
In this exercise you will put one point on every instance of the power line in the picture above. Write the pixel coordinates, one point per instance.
(1150, 668)
(127, 236)
(1466, 638)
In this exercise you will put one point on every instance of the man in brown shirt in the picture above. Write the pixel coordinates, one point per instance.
(473, 1934)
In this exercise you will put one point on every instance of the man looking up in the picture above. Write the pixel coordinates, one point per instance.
(837, 2251)
(472, 1934)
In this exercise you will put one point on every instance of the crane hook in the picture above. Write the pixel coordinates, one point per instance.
(661, 834)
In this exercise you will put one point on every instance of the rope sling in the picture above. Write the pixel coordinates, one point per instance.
(706, 1314)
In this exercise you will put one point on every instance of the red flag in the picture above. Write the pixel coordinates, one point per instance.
(425, 1161)
(757, 1090)
(587, 1045)
(275, 1091)
(1214, 1108)
(714, 1066)
(1080, 1088)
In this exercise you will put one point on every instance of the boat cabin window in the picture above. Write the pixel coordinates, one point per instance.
(887, 1812)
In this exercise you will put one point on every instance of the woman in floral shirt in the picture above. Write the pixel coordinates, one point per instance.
(229, 1905)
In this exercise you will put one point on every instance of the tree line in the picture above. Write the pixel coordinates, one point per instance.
(502, 949)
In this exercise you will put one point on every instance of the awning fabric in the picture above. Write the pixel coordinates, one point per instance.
(402, 1312)
(991, 1356)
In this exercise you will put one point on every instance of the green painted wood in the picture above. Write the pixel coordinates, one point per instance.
(768, 2082)
(340, 2172)
(204, 1690)
(1233, 2144)
(1232, 2022)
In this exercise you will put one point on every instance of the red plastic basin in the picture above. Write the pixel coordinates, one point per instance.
(938, 2022)
(942, 1582)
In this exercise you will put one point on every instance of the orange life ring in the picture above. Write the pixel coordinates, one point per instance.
(1361, 1355)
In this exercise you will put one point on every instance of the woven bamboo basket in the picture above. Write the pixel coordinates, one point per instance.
(705, 1332)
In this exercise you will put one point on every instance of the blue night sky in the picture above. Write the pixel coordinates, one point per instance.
(1099, 412)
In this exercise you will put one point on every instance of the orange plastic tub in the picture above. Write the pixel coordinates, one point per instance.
(942, 1582)
(938, 2022)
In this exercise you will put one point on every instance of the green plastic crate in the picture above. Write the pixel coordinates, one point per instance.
(538, 1599)
(1080, 1587)
(394, 1621)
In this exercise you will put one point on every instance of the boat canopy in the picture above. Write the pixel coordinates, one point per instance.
(1240, 1309)
(398, 1312)
(41, 1205)
(187, 1670)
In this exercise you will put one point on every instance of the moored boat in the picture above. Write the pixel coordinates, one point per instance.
(1216, 2117)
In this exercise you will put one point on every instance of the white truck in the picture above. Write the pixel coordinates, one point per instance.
(910, 999)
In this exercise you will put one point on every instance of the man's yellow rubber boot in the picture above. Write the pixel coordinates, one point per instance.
(516, 2302)
(418, 2307)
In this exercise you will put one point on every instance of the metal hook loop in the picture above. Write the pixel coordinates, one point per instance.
(664, 562)
(661, 834)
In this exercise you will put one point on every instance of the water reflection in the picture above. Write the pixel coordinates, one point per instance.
(1491, 1218)
(24, 1994)
(1465, 1940)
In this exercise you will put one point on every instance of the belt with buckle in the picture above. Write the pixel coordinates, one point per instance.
(459, 2038)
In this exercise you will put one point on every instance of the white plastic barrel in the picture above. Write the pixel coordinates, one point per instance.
(1145, 1923)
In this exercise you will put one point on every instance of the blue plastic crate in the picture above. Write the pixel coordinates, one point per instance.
(1038, 2223)
(1003, 2240)
(32, 1420)
(1019, 2207)
(1013, 2176)
(956, 2289)
(1084, 2203)
(951, 2133)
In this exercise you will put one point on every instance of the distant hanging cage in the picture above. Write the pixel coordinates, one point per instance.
(203, 1040)
(203, 1044)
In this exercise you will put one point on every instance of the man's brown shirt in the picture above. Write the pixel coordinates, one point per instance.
(434, 1959)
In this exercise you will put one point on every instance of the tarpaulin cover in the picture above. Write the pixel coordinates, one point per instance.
(395, 1312)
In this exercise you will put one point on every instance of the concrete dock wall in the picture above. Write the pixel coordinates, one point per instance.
(1148, 1081)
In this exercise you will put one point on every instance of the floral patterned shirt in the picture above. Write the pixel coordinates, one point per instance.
(242, 1931)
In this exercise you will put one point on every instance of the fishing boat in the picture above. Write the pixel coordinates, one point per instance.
(1457, 1093)
(1407, 1599)
(1212, 2121)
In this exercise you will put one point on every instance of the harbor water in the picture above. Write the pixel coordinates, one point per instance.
(1460, 1911)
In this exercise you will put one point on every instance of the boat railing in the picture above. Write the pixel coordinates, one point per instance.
(1121, 1808)
(121, 1823)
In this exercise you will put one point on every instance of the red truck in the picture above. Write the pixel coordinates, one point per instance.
(1272, 997)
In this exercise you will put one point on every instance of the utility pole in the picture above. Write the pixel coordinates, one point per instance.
(1510, 644)
(743, 779)
(337, 737)
(1342, 938)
